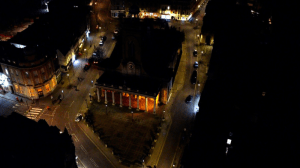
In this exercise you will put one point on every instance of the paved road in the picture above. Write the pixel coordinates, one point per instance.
(183, 114)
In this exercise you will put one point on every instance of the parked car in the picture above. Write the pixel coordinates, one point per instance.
(194, 77)
(116, 31)
(196, 65)
(101, 43)
(189, 99)
(113, 37)
(195, 53)
(78, 117)
(87, 66)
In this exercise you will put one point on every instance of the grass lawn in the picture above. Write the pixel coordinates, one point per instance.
(130, 139)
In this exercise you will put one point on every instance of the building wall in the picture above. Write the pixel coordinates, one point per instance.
(66, 60)
(28, 82)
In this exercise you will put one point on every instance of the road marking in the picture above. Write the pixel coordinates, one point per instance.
(162, 147)
(94, 162)
(70, 126)
(81, 163)
(84, 150)
(34, 113)
(75, 137)
(54, 114)
(176, 151)
(96, 146)
(71, 103)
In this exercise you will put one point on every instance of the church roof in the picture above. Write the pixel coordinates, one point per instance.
(139, 85)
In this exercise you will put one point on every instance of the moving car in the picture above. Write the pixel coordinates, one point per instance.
(195, 53)
(78, 117)
(194, 77)
(116, 31)
(101, 43)
(189, 99)
(87, 66)
(103, 38)
(196, 65)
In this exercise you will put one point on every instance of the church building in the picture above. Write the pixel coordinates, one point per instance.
(141, 70)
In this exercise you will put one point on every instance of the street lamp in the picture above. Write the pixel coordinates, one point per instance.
(132, 115)
(106, 109)
(68, 78)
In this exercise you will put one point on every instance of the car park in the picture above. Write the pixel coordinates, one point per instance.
(189, 99)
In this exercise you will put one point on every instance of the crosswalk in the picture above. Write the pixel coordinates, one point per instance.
(33, 113)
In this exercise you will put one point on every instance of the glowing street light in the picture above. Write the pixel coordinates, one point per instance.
(106, 109)
(228, 141)
(68, 78)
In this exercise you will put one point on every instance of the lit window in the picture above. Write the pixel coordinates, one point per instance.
(35, 74)
(53, 82)
(31, 92)
(21, 90)
(47, 87)
(17, 88)
(36, 80)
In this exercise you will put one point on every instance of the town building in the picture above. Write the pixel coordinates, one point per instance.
(142, 68)
(28, 71)
(173, 9)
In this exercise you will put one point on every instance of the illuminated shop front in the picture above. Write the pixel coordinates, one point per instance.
(145, 14)
(36, 92)
(4, 83)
